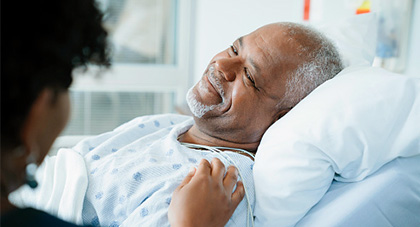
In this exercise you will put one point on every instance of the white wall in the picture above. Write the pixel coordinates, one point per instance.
(219, 22)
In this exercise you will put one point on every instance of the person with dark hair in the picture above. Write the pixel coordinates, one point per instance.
(42, 42)
(39, 52)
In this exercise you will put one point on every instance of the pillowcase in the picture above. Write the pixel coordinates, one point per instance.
(346, 129)
(355, 38)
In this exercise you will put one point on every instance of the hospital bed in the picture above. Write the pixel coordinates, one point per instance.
(349, 153)
(346, 155)
(390, 197)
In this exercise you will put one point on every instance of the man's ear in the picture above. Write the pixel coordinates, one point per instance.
(283, 112)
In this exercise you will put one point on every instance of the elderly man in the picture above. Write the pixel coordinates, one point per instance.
(255, 81)
(134, 169)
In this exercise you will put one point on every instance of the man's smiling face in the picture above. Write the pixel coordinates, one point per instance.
(238, 97)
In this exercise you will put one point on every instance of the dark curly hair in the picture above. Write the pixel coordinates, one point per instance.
(42, 42)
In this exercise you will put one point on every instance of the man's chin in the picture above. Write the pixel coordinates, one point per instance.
(197, 108)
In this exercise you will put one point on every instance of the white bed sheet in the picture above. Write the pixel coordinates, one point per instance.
(389, 197)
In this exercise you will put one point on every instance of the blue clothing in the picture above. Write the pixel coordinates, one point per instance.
(134, 169)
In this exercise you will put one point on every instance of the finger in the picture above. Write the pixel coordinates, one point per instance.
(218, 169)
(238, 194)
(204, 167)
(231, 178)
(188, 178)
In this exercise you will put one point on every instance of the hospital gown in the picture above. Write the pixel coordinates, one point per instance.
(134, 169)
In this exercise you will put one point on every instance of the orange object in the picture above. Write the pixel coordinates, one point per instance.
(364, 8)
(306, 8)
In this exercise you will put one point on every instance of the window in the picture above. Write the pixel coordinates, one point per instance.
(149, 42)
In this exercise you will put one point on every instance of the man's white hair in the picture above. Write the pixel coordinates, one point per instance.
(321, 61)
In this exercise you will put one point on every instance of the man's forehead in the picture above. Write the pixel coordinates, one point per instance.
(265, 51)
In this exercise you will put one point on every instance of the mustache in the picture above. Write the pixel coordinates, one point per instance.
(215, 81)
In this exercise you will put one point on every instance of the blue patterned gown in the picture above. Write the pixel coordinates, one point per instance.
(134, 169)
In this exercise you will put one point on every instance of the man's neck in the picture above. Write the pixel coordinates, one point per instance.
(195, 136)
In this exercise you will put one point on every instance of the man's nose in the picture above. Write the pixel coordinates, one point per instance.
(229, 67)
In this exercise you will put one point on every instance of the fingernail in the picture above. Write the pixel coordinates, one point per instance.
(192, 169)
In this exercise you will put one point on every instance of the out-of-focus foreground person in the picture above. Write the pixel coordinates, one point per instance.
(42, 42)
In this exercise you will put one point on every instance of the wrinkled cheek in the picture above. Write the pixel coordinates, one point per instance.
(238, 97)
(243, 100)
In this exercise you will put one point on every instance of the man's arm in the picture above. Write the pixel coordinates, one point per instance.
(205, 196)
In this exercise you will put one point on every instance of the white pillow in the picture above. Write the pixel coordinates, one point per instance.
(355, 38)
(346, 129)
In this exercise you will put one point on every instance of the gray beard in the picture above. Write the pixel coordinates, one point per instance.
(197, 108)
